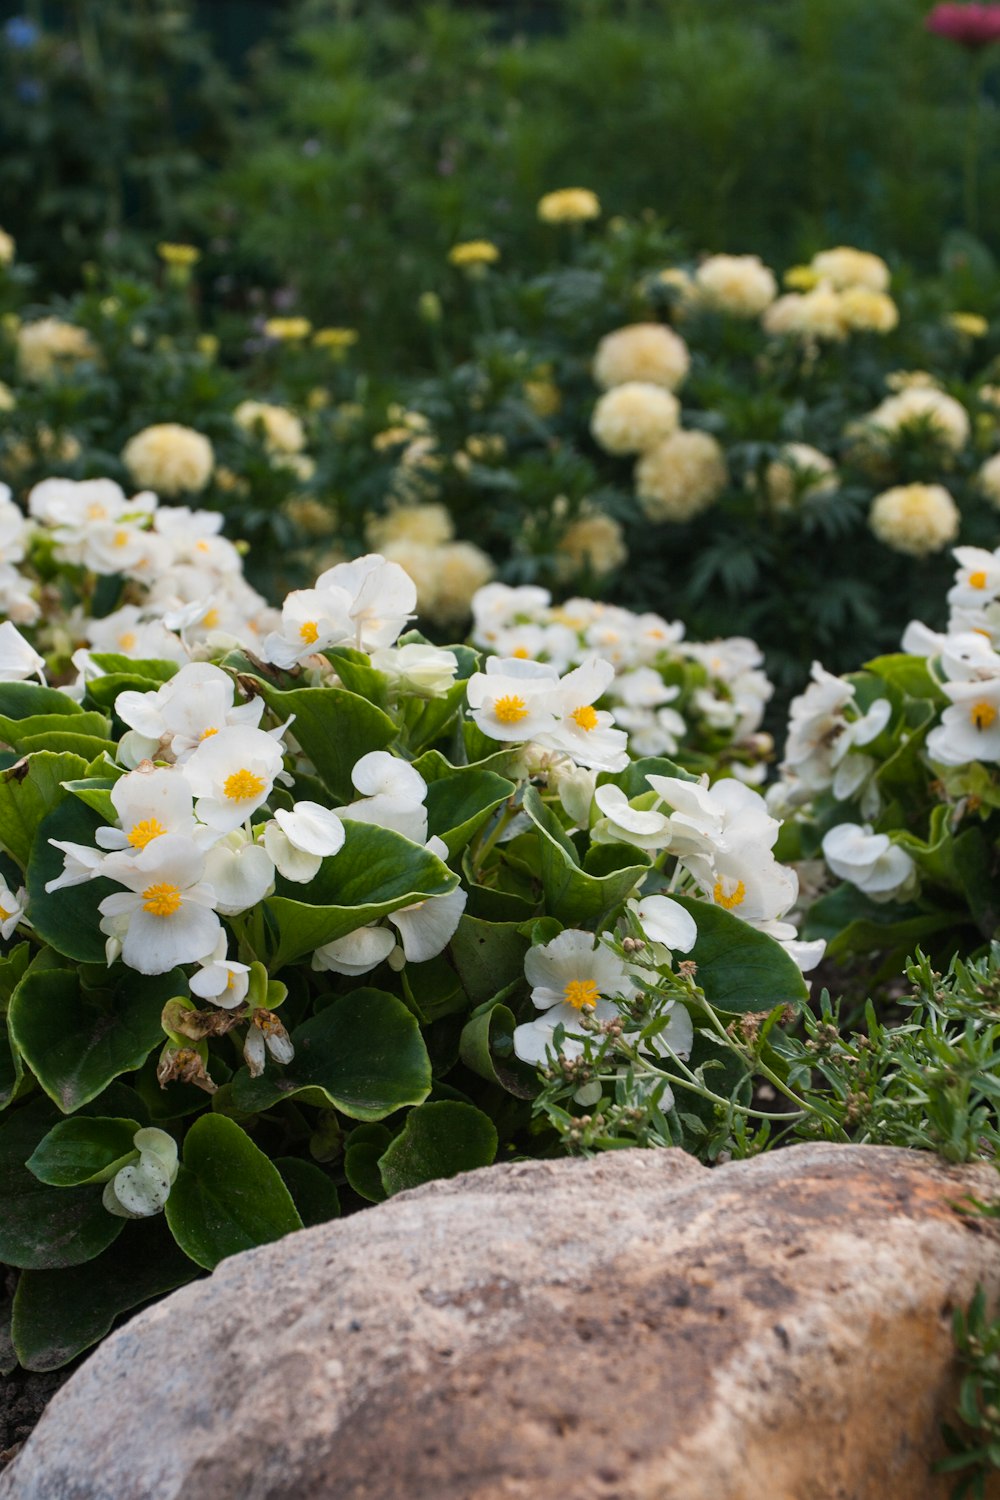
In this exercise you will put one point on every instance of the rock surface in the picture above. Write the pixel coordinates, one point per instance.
(629, 1328)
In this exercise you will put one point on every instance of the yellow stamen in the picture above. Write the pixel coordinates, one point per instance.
(729, 899)
(510, 710)
(206, 734)
(977, 580)
(96, 512)
(211, 619)
(121, 539)
(982, 714)
(142, 833)
(201, 546)
(585, 716)
(243, 785)
(127, 641)
(309, 632)
(161, 900)
(4, 914)
(580, 993)
(522, 653)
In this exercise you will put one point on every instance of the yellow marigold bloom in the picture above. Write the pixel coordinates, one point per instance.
(800, 278)
(971, 324)
(208, 345)
(170, 459)
(593, 543)
(844, 266)
(7, 399)
(288, 329)
(178, 255)
(864, 310)
(543, 396)
(335, 338)
(49, 347)
(474, 253)
(917, 519)
(7, 248)
(569, 206)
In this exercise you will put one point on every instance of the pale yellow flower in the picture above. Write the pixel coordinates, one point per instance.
(282, 430)
(288, 330)
(647, 352)
(427, 525)
(971, 324)
(7, 248)
(594, 544)
(569, 206)
(634, 417)
(740, 285)
(169, 459)
(178, 255)
(917, 519)
(543, 396)
(50, 346)
(864, 310)
(474, 253)
(681, 477)
(845, 266)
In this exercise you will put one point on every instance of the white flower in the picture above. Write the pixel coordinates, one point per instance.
(708, 818)
(665, 921)
(746, 879)
(231, 774)
(357, 953)
(18, 659)
(382, 598)
(220, 980)
(427, 927)
(141, 1189)
(418, 668)
(240, 872)
(265, 1034)
(393, 794)
(512, 699)
(167, 916)
(300, 840)
(569, 976)
(580, 730)
(188, 710)
(805, 955)
(625, 824)
(80, 864)
(149, 802)
(311, 621)
(12, 909)
(970, 728)
(870, 861)
(740, 285)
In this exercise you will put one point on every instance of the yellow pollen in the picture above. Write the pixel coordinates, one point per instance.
(585, 716)
(982, 714)
(201, 546)
(309, 632)
(96, 512)
(210, 620)
(242, 785)
(730, 899)
(977, 580)
(4, 914)
(206, 734)
(121, 539)
(142, 833)
(127, 641)
(161, 900)
(522, 653)
(510, 710)
(580, 993)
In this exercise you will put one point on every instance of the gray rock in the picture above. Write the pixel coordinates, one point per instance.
(629, 1328)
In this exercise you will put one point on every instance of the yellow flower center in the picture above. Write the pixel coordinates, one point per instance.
(309, 632)
(211, 619)
(206, 734)
(242, 785)
(161, 900)
(522, 653)
(982, 714)
(96, 512)
(127, 641)
(201, 546)
(142, 833)
(121, 539)
(510, 710)
(977, 580)
(729, 899)
(585, 716)
(4, 914)
(580, 993)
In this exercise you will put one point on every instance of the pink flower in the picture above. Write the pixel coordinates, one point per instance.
(972, 26)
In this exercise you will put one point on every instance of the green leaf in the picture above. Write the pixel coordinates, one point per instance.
(85, 745)
(42, 1228)
(76, 1039)
(438, 1140)
(24, 700)
(313, 1193)
(633, 780)
(852, 923)
(89, 1148)
(574, 896)
(356, 672)
(363, 1054)
(910, 674)
(67, 919)
(18, 732)
(487, 1048)
(227, 1197)
(30, 790)
(334, 727)
(488, 956)
(376, 872)
(362, 1154)
(739, 968)
(58, 1314)
(458, 805)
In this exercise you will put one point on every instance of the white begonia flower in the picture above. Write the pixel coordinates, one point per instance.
(382, 598)
(74, 503)
(580, 730)
(149, 802)
(870, 861)
(356, 953)
(16, 597)
(977, 579)
(18, 658)
(300, 840)
(427, 927)
(231, 775)
(188, 709)
(240, 872)
(265, 1034)
(121, 547)
(141, 1189)
(13, 906)
(745, 879)
(221, 980)
(497, 606)
(575, 786)
(81, 863)
(676, 1037)
(393, 795)
(311, 621)
(805, 955)
(970, 729)
(625, 824)
(705, 818)
(418, 668)
(126, 633)
(14, 529)
(167, 916)
(665, 921)
(512, 699)
(569, 976)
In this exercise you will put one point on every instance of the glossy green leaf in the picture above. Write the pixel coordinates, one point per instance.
(314, 1193)
(363, 1054)
(334, 727)
(29, 791)
(67, 919)
(87, 1148)
(19, 732)
(58, 1314)
(227, 1197)
(739, 968)
(438, 1140)
(25, 700)
(487, 1048)
(459, 805)
(488, 956)
(362, 1154)
(574, 896)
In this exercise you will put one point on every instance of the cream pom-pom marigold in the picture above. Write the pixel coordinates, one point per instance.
(427, 525)
(681, 477)
(569, 206)
(446, 576)
(170, 459)
(592, 544)
(740, 285)
(799, 472)
(281, 429)
(988, 480)
(50, 345)
(866, 311)
(916, 406)
(917, 519)
(810, 315)
(634, 417)
(7, 248)
(647, 352)
(844, 266)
